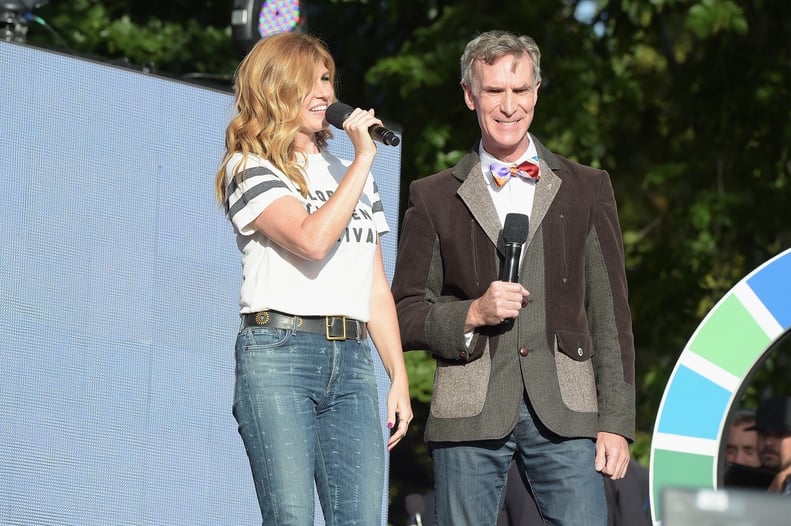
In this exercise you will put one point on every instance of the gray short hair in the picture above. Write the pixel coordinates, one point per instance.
(742, 417)
(492, 45)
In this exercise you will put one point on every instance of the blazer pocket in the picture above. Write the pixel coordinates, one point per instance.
(576, 345)
(576, 379)
(460, 389)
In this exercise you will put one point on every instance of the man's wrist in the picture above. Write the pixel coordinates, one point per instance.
(471, 322)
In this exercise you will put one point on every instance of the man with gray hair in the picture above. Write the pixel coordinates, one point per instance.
(742, 443)
(530, 326)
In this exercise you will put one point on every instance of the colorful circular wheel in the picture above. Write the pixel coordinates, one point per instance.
(732, 338)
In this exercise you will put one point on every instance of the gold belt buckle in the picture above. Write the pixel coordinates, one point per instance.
(327, 325)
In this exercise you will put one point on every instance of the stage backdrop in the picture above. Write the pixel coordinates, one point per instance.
(119, 281)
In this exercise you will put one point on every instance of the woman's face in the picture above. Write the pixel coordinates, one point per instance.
(314, 106)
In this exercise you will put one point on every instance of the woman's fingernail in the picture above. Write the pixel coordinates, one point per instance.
(389, 425)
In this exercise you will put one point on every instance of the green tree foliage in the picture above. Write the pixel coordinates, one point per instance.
(174, 38)
(687, 103)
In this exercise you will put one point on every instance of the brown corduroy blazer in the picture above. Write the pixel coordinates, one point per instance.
(575, 335)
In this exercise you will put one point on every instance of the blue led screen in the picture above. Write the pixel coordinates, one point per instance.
(119, 283)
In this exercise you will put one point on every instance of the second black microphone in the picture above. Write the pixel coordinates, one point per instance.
(337, 112)
(515, 232)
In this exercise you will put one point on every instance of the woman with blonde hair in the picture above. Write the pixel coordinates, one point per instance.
(313, 289)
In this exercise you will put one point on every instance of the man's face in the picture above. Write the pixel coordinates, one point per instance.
(742, 446)
(774, 449)
(503, 95)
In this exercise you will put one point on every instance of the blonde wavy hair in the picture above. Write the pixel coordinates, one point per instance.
(270, 85)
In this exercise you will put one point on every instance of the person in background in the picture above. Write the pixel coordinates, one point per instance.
(554, 386)
(742, 443)
(306, 396)
(773, 424)
(629, 498)
(743, 467)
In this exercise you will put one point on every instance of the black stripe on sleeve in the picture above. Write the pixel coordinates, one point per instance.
(268, 180)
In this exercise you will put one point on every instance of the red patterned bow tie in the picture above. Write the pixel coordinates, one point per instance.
(502, 172)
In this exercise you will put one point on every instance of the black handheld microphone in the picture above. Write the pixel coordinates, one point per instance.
(337, 112)
(515, 232)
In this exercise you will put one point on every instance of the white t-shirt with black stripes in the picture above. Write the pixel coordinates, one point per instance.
(274, 278)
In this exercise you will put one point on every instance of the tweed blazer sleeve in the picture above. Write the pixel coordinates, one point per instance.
(608, 314)
(444, 262)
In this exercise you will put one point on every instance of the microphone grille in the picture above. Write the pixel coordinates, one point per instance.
(516, 228)
(337, 112)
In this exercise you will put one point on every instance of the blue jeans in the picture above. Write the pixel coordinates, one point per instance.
(307, 410)
(469, 477)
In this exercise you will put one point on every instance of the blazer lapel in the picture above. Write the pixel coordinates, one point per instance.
(475, 194)
(546, 190)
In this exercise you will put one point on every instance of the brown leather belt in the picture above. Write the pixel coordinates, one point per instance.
(332, 327)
